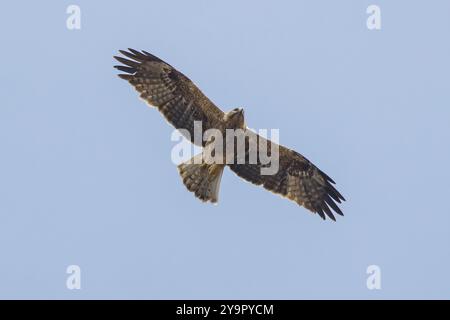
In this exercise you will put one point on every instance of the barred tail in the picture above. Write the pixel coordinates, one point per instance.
(201, 178)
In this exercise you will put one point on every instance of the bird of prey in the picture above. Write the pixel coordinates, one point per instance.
(182, 103)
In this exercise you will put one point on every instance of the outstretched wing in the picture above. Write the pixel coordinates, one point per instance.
(176, 97)
(297, 179)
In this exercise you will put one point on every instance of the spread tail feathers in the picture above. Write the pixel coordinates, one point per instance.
(201, 178)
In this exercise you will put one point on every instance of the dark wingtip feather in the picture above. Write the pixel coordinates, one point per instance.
(125, 53)
(327, 177)
(152, 56)
(126, 69)
(335, 197)
(133, 56)
(334, 193)
(333, 205)
(328, 212)
(340, 196)
(320, 212)
(134, 51)
(127, 62)
(138, 54)
(125, 76)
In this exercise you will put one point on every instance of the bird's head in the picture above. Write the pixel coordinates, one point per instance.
(235, 118)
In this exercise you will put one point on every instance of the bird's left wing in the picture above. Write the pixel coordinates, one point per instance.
(296, 179)
(176, 96)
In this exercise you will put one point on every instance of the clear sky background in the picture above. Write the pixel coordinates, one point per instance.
(86, 176)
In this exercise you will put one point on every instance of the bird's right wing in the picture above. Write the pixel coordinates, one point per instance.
(176, 96)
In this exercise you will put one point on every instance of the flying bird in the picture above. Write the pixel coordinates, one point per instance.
(182, 104)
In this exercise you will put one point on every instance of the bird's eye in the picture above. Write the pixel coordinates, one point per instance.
(236, 109)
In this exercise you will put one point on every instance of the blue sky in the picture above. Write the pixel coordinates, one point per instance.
(86, 177)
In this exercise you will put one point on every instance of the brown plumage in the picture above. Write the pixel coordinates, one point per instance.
(181, 102)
